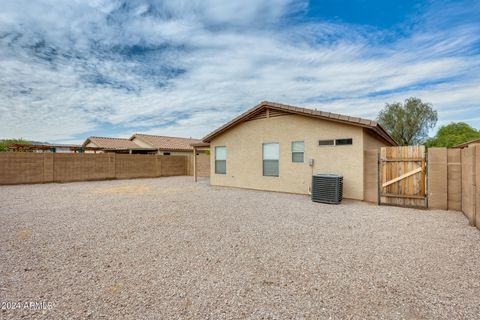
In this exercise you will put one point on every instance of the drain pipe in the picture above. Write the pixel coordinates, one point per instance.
(311, 163)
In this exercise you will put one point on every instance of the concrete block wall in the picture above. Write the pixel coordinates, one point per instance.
(27, 167)
(454, 180)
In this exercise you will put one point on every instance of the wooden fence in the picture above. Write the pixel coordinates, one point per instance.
(452, 176)
(27, 167)
(402, 176)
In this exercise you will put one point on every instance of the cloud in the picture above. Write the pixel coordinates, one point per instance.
(74, 68)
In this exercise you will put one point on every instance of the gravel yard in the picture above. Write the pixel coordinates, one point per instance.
(170, 248)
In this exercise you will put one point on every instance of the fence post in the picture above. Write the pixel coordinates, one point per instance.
(159, 165)
(112, 174)
(378, 178)
(437, 183)
(476, 195)
(48, 167)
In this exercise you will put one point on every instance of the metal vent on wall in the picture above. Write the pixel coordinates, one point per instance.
(327, 188)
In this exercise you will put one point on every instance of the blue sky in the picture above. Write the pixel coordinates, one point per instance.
(74, 68)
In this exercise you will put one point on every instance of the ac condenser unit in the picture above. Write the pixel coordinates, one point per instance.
(327, 188)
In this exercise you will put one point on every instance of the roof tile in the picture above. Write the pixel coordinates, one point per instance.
(113, 143)
(167, 143)
(372, 125)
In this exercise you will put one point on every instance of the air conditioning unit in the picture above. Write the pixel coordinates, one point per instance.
(327, 188)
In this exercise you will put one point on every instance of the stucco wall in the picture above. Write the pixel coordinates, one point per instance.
(141, 143)
(244, 154)
(92, 145)
(371, 145)
(373, 141)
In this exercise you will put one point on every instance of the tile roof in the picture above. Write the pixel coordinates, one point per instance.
(167, 143)
(369, 124)
(112, 143)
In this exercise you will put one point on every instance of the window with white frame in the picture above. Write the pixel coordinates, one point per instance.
(220, 160)
(271, 154)
(298, 148)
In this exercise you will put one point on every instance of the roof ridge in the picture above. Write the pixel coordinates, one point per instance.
(273, 104)
(160, 136)
(362, 122)
(111, 138)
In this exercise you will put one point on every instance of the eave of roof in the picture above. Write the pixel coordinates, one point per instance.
(167, 140)
(465, 144)
(103, 144)
(365, 123)
(200, 144)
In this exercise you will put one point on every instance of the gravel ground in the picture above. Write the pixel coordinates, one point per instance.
(170, 248)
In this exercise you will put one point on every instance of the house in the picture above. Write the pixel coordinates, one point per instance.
(45, 147)
(164, 145)
(143, 143)
(116, 145)
(278, 147)
(466, 144)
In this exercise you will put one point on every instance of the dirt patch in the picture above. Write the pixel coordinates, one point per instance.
(116, 288)
(24, 234)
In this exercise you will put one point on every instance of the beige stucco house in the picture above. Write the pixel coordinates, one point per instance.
(278, 147)
(142, 143)
(114, 145)
(164, 145)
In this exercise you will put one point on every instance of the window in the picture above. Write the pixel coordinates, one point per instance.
(220, 160)
(298, 148)
(270, 159)
(343, 142)
(166, 153)
(326, 142)
(336, 142)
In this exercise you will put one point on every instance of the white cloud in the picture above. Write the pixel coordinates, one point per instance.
(185, 67)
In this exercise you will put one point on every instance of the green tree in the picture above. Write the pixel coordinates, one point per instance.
(4, 144)
(452, 134)
(408, 123)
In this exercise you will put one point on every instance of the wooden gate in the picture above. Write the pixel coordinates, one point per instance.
(402, 177)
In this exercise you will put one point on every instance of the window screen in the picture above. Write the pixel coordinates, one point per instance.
(298, 148)
(271, 153)
(343, 142)
(221, 160)
(326, 142)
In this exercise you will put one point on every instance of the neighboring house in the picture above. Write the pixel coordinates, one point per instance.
(166, 145)
(45, 147)
(466, 144)
(116, 145)
(143, 143)
(278, 147)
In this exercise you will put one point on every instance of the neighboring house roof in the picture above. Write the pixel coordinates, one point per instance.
(465, 144)
(365, 123)
(200, 144)
(167, 143)
(57, 145)
(112, 143)
(43, 146)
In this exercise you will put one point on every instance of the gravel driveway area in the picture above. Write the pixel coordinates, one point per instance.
(171, 248)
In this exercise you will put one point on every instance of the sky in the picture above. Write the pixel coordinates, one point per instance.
(70, 69)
